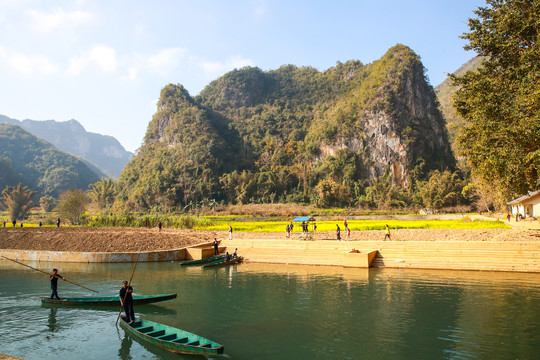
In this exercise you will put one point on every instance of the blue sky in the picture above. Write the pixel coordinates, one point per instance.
(104, 63)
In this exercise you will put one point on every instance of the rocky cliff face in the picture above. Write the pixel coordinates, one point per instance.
(277, 133)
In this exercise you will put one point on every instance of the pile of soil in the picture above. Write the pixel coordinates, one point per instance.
(85, 239)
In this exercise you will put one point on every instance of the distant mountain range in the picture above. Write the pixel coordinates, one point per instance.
(35, 163)
(101, 151)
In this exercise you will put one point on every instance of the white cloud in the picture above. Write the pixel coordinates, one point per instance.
(261, 8)
(102, 56)
(217, 68)
(166, 59)
(45, 22)
(28, 64)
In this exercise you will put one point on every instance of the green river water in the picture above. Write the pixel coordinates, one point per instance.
(267, 311)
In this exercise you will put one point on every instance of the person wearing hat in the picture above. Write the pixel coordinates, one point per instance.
(126, 300)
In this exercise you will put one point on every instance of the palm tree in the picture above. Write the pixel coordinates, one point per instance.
(18, 200)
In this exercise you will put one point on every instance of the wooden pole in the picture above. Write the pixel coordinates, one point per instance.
(129, 283)
(71, 282)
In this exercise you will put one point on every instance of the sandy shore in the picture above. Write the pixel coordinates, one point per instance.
(141, 239)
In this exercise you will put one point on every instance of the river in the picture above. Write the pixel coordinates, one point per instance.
(266, 311)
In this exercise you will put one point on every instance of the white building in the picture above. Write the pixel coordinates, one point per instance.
(527, 205)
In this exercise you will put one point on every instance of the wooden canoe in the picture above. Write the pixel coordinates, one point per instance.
(219, 263)
(203, 261)
(108, 301)
(171, 338)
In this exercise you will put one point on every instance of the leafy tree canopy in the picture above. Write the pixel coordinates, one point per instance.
(501, 99)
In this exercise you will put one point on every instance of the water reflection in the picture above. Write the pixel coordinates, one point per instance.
(125, 347)
(312, 312)
(53, 327)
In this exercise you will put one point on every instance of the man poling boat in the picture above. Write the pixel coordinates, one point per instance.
(50, 275)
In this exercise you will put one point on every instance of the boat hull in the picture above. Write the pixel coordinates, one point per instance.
(107, 301)
(220, 263)
(171, 339)
(203, 261)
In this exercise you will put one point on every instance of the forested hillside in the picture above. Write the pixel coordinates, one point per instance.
(343, 136)
(39, 165)
(445, 91)
(101, 151)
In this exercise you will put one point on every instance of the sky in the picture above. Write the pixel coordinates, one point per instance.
(104, 62)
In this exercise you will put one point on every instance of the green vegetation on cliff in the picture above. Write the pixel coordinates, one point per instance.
(292, 135)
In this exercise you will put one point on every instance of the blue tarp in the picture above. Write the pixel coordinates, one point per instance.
(303, 218)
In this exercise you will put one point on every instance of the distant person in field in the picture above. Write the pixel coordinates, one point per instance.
(4, 223)
(387, 233)
(58, 222)
(348, 234)
(159, 225)
(14, 222)
(345, 224)
(288, 230)
(338, 232)
(314, 227)
(40, 224)
(230, 232)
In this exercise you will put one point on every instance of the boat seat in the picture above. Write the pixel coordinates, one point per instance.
(181, 341)
(145, 329)
(206, 345)
(194, 343)
(167, 337)
(156, 333)
(136, 324)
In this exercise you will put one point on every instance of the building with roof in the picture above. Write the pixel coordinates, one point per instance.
(527, 205)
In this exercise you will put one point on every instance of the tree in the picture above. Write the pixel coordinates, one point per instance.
(18, 201)
(103, 193)
(501, 99)
(72, 205)
(47, 203)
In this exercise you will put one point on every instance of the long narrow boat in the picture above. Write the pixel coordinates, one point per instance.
(171, 338)
(219, 263)
(203, 261)
(108, 301)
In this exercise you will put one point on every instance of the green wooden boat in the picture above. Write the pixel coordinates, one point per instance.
(219, 263)
(203, 261)
(107, 301)
(172, 339)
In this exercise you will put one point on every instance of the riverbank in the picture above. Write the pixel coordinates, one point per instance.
(516, 249)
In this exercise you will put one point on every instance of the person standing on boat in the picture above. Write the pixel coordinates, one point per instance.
(126, 300)
(54, 283)
(235, 253)
(216, 247)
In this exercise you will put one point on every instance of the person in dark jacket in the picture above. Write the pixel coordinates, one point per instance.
(54, 283)
(126, 300)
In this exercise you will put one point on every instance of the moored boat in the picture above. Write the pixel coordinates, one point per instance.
(223, 262)
(171, 338)
(108, 301)
(203, 261)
